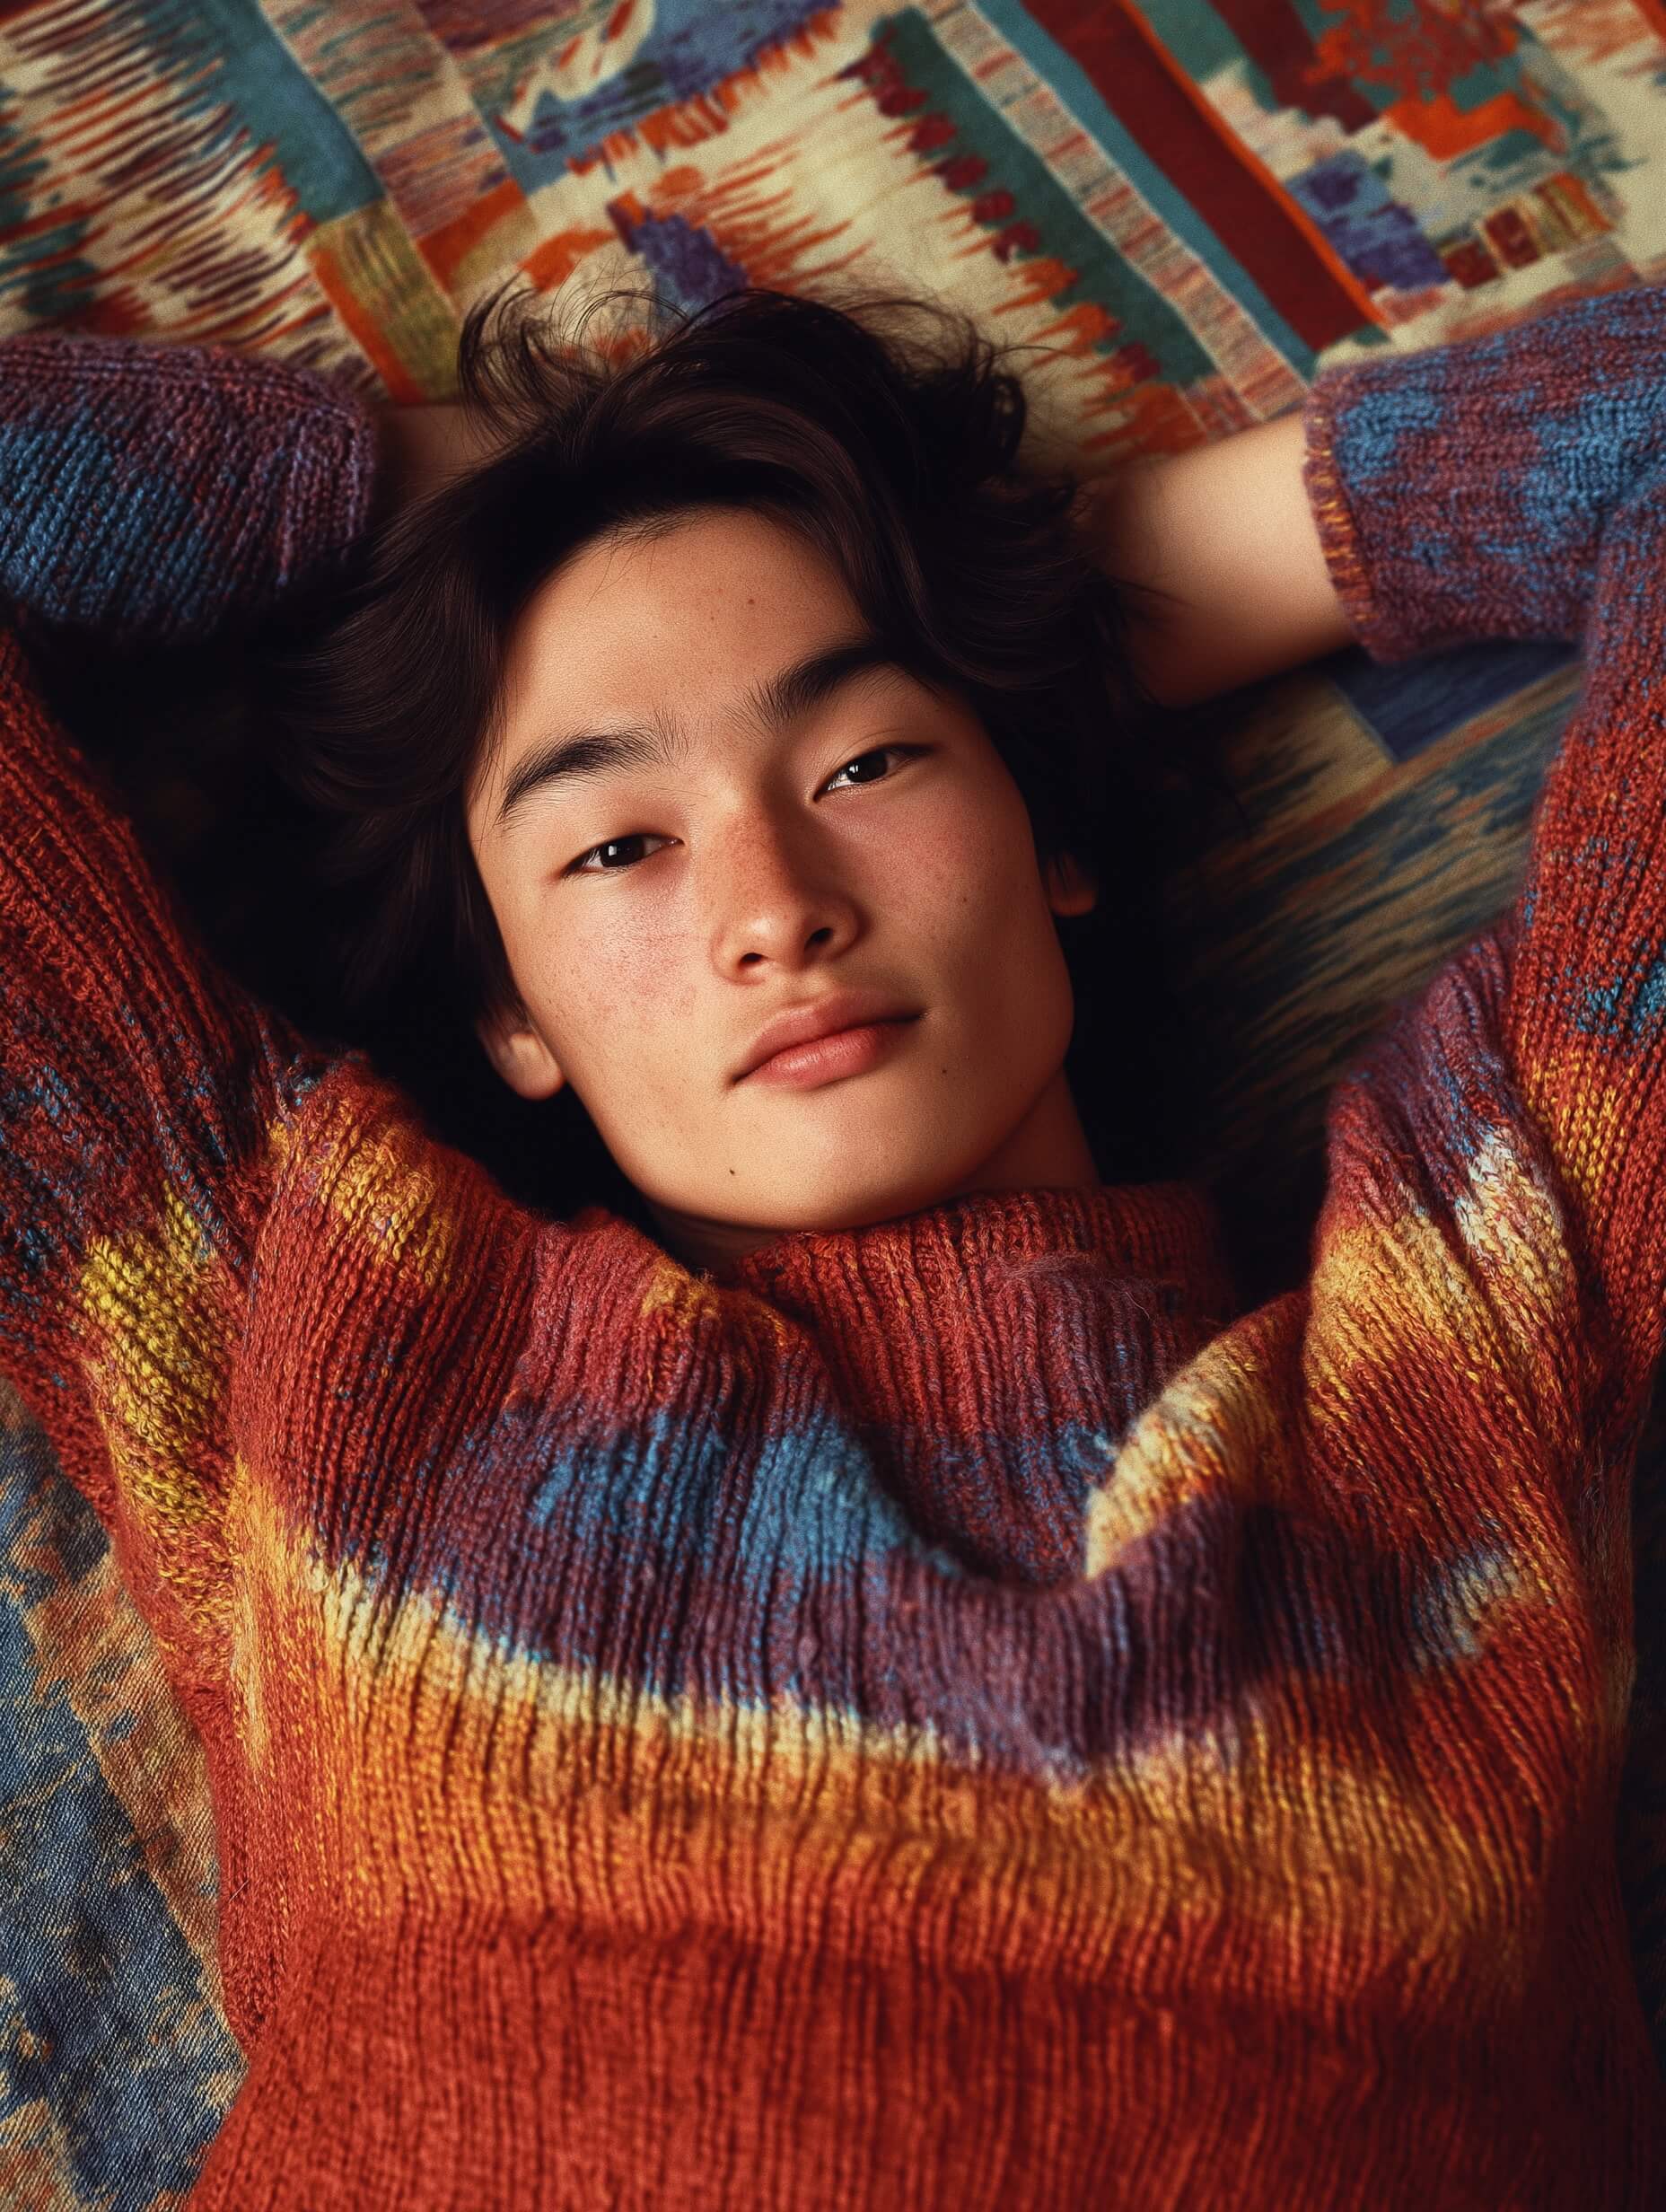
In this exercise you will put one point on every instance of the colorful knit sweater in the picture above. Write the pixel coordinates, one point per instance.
(946, 1714)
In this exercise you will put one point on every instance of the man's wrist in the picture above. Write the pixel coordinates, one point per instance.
(419, 448)
(1227, 531)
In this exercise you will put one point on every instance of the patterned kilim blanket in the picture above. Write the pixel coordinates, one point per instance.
(1190, 209)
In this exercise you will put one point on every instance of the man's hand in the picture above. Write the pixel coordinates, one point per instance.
(419, 448)
(1227, 528)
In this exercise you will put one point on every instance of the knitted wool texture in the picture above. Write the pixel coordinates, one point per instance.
(946, 1714)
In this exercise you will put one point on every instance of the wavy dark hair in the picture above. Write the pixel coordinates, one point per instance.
(883, 427)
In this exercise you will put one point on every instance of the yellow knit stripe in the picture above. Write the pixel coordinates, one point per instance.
(157, 1369)
(376, 1182)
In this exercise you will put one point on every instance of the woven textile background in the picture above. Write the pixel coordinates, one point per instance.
(1191, 207)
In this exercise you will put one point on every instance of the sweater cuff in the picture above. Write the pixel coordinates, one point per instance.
(1338, 528)
(152, 491)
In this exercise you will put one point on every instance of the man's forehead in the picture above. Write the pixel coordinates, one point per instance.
(598, 628)
(718, 543)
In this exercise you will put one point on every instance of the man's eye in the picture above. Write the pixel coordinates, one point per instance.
(639, 837)
(609, 845)
(857, 761)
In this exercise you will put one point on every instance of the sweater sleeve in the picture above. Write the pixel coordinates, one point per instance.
(1514, 485)
(147, 493)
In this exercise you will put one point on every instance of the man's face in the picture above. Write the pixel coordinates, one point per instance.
(756, 870)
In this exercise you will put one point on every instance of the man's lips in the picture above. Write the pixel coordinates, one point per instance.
(835, 1053)
(813, 1019)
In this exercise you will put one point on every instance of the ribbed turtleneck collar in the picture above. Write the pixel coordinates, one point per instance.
(990, 1352)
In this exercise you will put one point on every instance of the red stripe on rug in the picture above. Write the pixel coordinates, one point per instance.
(1270, 238)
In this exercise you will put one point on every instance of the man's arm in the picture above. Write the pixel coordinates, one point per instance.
(156, 491)
(148, 493)
(1228, 532)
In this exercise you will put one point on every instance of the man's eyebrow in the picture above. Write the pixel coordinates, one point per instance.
(776, 700)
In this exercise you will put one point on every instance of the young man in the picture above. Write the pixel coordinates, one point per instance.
(952, 1715)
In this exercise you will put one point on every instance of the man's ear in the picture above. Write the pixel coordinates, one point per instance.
(1071, 889)
(519, 1053)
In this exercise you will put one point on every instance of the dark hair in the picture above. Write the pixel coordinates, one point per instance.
(898, 456)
